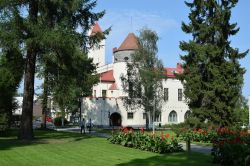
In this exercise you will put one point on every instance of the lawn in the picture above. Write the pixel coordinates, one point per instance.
(58, 148)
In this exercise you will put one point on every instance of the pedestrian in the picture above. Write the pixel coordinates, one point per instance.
(82, 125)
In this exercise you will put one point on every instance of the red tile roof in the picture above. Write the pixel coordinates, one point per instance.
(96, 28)
(130, 43)
(113, 87)
(107, 76)
(170, 72)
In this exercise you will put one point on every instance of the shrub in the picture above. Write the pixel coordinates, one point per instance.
(232, 147)
(3, 123)
(58, 121)
(148, 142)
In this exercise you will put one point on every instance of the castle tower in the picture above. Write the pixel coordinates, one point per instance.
(121, 56)
(128, 46)
(97, 53)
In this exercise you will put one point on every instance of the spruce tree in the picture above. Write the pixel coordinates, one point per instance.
(213, 76)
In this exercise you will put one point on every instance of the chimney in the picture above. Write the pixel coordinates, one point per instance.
(179, 67)
(114, 49)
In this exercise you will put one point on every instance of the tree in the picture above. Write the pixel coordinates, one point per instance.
(241, 111)
(32, 21)
(11, 71)
(212, 76)
(143, 82)
(69, 84)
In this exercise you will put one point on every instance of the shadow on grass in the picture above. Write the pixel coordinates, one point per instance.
(41, 137)
(175, 159)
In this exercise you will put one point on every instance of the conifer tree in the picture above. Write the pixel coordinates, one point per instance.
(213, 76)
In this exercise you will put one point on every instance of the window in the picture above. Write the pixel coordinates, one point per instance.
(104, 93)
(126, 58)
(165, 94)
(144, 115)
(187, 114)
(130, 115)
(94, 93)
(157, 117)
(172, 117)
(179, 94)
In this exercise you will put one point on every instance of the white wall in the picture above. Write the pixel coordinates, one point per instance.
(98, 54)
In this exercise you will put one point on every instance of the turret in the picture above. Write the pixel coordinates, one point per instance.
(97, 53)
(123, 53)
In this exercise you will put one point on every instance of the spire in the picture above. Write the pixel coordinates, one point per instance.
(96, 28)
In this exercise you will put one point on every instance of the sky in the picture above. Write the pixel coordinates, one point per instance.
(165, 17)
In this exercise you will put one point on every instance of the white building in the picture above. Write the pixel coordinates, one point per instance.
(105, 107)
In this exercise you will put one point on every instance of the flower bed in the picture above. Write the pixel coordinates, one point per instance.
(230, 147)
(148, 142)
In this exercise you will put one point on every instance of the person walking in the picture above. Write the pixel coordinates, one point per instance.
(82, 125)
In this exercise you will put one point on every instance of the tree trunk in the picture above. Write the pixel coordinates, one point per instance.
(45, 97)
(147, 121)
(26, 130)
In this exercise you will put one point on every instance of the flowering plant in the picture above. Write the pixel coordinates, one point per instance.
(232, 147)
(148, 142)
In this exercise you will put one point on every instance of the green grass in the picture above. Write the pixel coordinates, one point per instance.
(58, 148)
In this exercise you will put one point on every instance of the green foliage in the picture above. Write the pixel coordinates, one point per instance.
(231, 148)
(153, 143)
(212, 76)
(53, 33)
(3, 123)
(85, 150)
(64, 64)
(143, 81)
(11, 71)
(58, 121)
(241, 112)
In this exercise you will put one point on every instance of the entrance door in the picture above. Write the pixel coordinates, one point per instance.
(115, 119)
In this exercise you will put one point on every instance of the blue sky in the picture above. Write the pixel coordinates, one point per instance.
(165, 17)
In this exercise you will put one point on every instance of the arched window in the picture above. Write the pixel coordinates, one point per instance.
(172, 117)
(187, 114)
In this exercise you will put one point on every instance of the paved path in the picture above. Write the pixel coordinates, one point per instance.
(198, 148)
(194, 147)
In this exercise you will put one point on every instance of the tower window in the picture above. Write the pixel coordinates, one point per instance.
(179, 94)
(165, 94)
(126, 58)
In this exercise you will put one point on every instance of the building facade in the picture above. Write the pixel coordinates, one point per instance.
(106, 105)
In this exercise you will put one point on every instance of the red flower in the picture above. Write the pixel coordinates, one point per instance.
(200, 130)
(221, 142)
(142, 130)
(237, 140)
(167, 135)
(125, 130)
